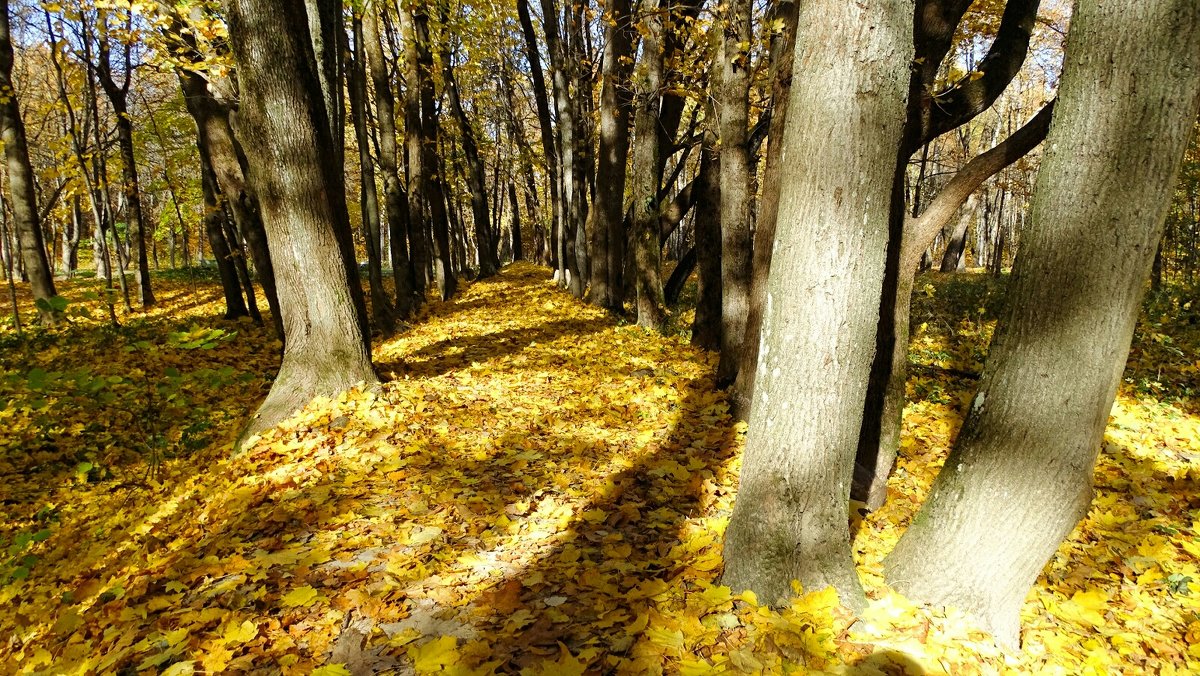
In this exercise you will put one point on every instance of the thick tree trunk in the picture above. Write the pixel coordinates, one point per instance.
(850, 83)
(22, 195)
(607, 228)
(1019, 477)
(732, 95)
(783, 46)
(644, 174)
(304, 208)
(394, 198)
(381, 306)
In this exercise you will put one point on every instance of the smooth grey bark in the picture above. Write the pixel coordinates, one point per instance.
(783, 45)
(878, 447)
(732, 103)
(368, 197)
(607, 227)
(394, 197)
(846, 116)
(1019, 476)
(21, 182)
(301, 192)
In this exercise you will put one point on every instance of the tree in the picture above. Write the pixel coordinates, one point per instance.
(22, 198)
(303, 207)
(118, 98)
(846, 113)
(1019, 476)
(732, 94)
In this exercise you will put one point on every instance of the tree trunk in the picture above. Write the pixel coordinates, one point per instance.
(1019, 476)
(118, 98)
(381, 306)
(424, 146)
(782, 54)
(850, 83)
(22, 198)
(706, 325)
(515, 222)
(955, 257)
(607, 228)
(304, 209)
(644, 174)
(560, 65)
(883, 412)
(214, 228)
(541, 100)
(476, 178)
(394, 198)
(732, 101)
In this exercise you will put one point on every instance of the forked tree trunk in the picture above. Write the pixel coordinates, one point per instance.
(304, 208)
(23, 198)
(850, 83)
(1019, 476)
(732, 94)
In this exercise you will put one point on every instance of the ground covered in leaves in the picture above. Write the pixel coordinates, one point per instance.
(536, 490)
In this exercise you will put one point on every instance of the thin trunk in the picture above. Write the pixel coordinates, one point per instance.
(214, 227)
(541, 100)
(644, 174)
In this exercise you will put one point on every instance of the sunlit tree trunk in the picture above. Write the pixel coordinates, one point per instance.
(1019, 476)
(304, 209)
(22, 195)
(850, 84)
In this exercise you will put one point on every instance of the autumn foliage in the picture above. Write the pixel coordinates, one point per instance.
(536, 489)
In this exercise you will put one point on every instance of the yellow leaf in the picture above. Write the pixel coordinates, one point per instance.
(300, 596)
(241, 633)
(432, 656)
(186, 668)
(331, 670)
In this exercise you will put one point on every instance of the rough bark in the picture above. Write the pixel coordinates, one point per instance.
(560, 67)
(303, 206)
(541, 101)
(1019, 476)
(849, 88)
(783, 46)
(732, 103)
(214, 228)
(21, 185)
(607, 228)
(420, 247)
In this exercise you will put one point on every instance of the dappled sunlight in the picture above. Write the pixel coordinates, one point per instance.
(535, 489)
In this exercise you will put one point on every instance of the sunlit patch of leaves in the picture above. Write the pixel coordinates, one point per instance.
(536, 490)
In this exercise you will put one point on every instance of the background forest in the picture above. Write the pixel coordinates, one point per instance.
(605, 336)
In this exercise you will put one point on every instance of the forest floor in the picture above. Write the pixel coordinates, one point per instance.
(536, 489)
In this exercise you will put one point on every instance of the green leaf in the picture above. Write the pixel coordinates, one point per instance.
(42, 535)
